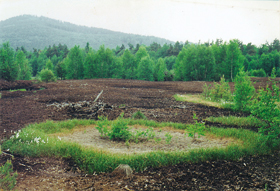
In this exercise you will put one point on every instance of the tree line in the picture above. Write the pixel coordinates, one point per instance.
(179, 61)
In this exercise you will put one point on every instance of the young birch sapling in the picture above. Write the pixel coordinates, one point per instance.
(197, 128)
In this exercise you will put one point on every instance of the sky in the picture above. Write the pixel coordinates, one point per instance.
(177, 20)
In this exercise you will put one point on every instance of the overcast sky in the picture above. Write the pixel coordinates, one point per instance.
(176, 20)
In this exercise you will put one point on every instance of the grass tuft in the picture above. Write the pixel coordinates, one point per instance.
(195, 98)
(238, 121)
(22, 90)
(138, 115)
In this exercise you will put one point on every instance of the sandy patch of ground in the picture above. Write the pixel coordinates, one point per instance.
(90, 137)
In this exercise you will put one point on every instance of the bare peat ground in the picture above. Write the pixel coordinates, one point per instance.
(155, 100)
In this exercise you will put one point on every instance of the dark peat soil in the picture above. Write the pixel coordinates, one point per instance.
(155, 100)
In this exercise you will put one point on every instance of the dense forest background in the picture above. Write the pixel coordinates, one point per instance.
(40, 32)
(187, 62)
(154, 62)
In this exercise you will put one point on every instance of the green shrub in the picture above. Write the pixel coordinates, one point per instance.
(138, 115)
(243, 91)
(258, 73)
(102, 126)
(206, 91)
(221, 91)
(150, 133)
(7, 177)
(266, 109)
(47, 75)
(120, 131)
(197, 128)
(138, 135)
(168, 138)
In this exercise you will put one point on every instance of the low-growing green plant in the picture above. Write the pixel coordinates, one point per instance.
(206, 91)
(122, 105)
(150, 133)
(151, 123)
(168, 138)
(197, 128)
(22, 90)
(102, 126)
(127, 143)
(60, 126)
(138, 115)
(120, 130)
(138, 135)
(266, 187)
(221, 91)
(219, 95)
(7, 177)
(201, 100)
(157, 140)
(238, 121)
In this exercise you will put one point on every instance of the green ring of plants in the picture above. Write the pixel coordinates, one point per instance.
(34, 141)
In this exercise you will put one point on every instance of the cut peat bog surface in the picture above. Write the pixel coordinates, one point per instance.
(70, 99)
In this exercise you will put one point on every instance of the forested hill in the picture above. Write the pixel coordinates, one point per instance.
(40, 32)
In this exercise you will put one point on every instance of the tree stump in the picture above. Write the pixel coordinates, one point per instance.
(123, 170)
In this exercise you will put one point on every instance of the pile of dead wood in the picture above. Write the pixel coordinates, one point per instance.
(87, 110)
(83, 109)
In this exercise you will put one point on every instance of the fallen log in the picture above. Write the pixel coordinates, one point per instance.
(98, 96)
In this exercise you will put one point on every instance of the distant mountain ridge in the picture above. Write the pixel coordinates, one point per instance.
(40, 32)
